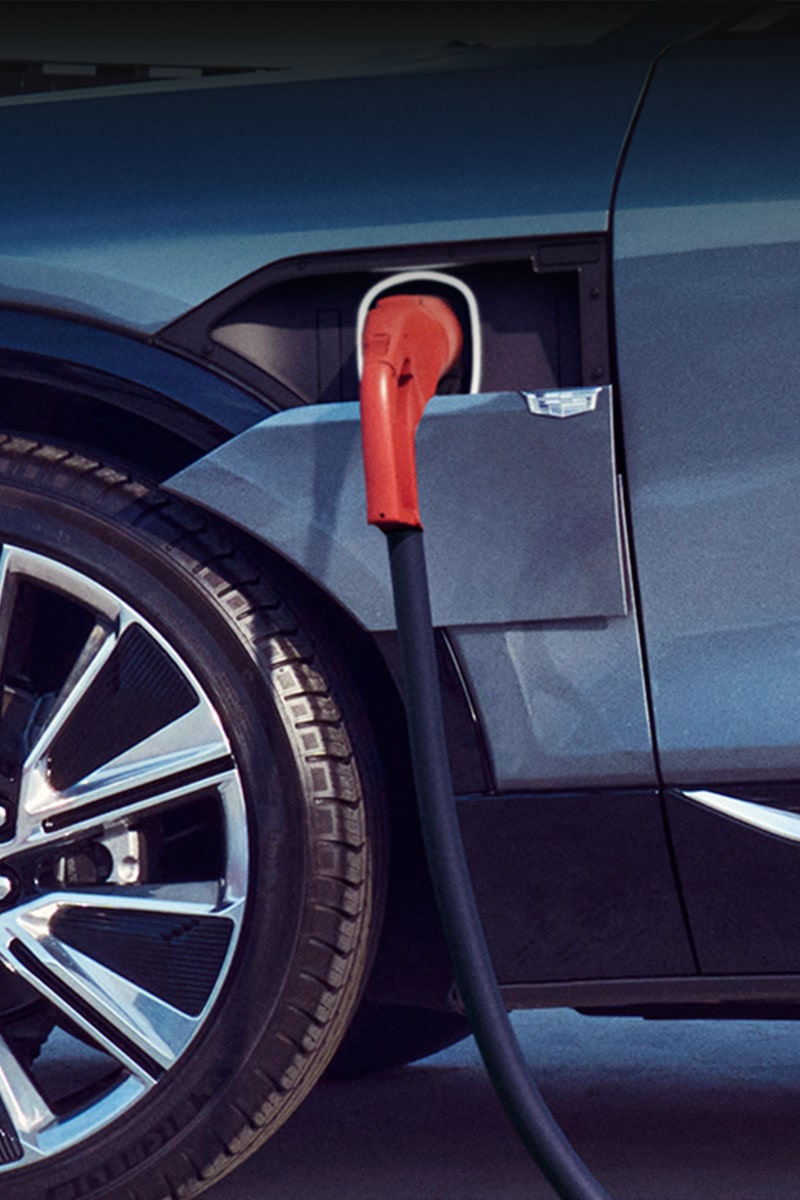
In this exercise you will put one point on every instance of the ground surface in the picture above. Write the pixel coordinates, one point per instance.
(659, 1110)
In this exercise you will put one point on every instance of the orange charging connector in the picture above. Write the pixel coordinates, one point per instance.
(409, 343)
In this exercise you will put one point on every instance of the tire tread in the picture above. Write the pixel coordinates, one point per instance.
(334, 940)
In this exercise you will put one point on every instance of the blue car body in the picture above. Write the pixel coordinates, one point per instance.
(616, 592)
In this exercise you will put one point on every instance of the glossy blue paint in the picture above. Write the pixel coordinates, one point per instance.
(162, 196)
(129, 360)
(707, 294)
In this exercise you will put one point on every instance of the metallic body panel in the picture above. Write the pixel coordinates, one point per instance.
(167, 194)
(502, 494)
(707, 297)
(561, 704)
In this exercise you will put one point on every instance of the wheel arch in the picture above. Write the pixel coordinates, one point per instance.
(81, 408)
(114, 393)
(78, 402)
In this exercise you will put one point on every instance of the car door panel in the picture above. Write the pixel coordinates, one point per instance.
(707, 295)
(707, 291)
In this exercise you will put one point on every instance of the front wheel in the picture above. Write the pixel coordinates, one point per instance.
(188, 851)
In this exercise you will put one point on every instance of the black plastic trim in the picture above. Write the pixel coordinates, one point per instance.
(690, 996)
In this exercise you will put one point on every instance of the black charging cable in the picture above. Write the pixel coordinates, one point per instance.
(472, 965)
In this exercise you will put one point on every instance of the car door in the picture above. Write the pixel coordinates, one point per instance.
(707, 297)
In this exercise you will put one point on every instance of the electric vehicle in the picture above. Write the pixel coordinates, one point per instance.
(212, 885)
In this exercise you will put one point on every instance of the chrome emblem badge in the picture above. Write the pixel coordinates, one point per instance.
(569, 402)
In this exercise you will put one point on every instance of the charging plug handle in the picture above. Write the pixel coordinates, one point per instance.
(409, 343)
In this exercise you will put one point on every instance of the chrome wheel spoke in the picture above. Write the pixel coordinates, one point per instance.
(54, 948)
(7, 592)
(24, 576)
(125, 799)
(114, 742)
(98, 649)
(191, 742)
(25, 1113)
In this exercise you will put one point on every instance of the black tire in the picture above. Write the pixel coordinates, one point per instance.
(191, 856)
